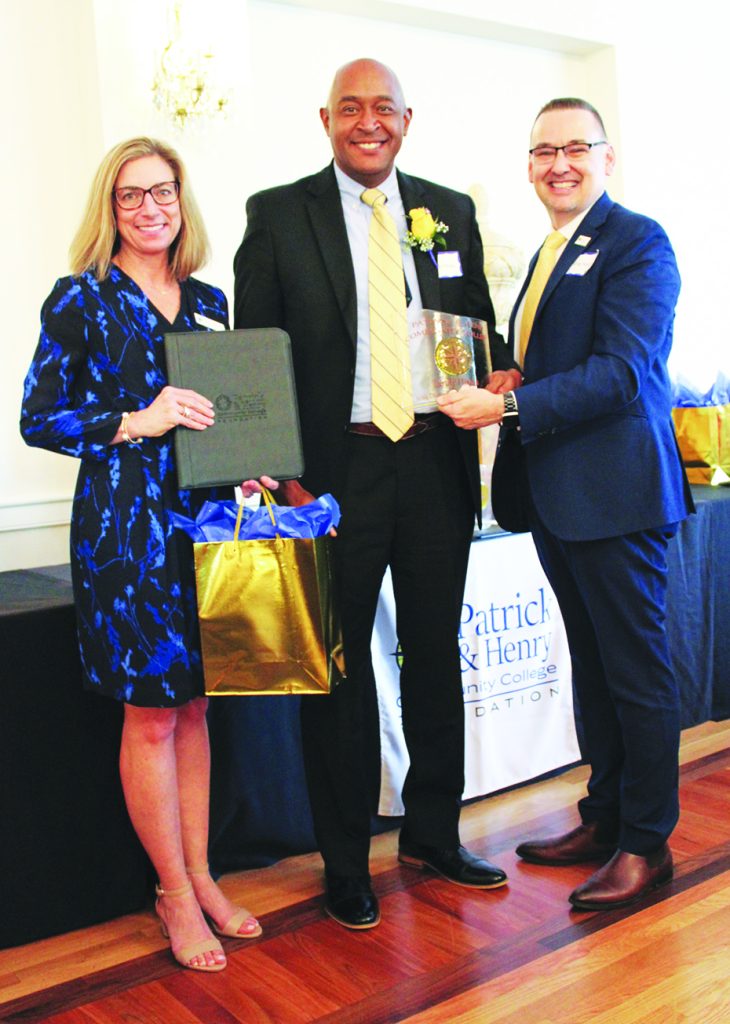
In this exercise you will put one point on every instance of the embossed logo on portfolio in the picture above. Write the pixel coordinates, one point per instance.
(240, 408)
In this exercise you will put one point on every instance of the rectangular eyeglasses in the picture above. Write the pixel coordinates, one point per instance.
(131, 197)
(573, 151)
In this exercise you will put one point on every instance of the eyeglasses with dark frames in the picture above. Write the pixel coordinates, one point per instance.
(573, 151)
(131, 197)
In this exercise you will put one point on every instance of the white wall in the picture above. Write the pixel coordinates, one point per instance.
(474, 71)
(52, 135)
(217, 154)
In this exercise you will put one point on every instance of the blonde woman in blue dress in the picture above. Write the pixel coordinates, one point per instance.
(97, 390)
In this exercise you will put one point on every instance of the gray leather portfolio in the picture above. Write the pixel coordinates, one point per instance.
(248, 376)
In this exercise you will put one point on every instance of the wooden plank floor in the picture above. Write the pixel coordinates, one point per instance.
(517, 955)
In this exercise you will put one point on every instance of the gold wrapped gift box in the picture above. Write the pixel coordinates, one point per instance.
(703, 433)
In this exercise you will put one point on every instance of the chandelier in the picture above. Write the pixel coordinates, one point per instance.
(184, 88)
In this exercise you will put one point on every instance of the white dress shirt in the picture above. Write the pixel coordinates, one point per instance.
(357, 222)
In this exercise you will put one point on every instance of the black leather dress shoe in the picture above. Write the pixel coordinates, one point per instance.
(455, 865)
(626, 879)
(584, 843)
(351, 902)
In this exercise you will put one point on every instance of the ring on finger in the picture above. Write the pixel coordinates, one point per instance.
(185, 411)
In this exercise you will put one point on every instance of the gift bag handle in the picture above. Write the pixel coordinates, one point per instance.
(268, 501)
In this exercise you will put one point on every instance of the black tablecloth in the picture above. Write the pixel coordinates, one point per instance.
(69, 857)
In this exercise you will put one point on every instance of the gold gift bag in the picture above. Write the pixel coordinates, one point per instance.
(703, 434)
(268, 620)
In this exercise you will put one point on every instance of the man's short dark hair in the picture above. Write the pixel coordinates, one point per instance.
(572, 103)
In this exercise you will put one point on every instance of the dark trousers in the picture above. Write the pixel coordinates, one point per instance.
(612, 597)
(407, 506)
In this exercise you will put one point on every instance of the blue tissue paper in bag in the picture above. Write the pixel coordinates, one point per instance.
(216, 520)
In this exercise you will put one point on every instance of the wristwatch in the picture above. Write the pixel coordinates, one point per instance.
(511, 417)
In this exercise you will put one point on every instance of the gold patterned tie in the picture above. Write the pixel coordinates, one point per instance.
(543, 269)
(390, 357)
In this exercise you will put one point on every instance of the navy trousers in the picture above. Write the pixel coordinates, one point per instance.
(612, 597)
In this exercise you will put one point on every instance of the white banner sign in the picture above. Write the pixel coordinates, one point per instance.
(515, 675)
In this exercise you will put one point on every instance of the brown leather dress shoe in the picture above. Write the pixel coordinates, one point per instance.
(625, 879)
(575, 847)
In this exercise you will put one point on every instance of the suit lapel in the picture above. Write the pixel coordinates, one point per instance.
(516, 305)
(413, 196)
(328, 224)
(589, 226)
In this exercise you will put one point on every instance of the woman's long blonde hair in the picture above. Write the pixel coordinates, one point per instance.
(96, 240)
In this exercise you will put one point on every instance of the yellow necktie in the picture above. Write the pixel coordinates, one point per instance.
(390, 357)
(543, 269)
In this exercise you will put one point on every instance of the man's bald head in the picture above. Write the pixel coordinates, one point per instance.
(366, 119)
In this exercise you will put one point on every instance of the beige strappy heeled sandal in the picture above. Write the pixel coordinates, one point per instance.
(239, 917)
(187, 953)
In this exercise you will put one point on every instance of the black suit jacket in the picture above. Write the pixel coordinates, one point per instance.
(294, 271)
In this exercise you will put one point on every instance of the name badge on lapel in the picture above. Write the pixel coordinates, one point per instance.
(582, 264)
(210, 325)
(449, 264)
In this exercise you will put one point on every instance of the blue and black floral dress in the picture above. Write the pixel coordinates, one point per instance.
(100, 353)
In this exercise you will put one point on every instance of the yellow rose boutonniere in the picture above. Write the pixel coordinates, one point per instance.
(425, 231)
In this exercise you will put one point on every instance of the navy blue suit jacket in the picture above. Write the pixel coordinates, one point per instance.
(595, 408)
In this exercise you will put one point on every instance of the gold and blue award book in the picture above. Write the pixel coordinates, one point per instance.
(249, 378)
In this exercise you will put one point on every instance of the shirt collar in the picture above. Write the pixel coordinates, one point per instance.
(349, 187)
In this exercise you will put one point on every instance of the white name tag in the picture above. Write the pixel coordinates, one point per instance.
(583, 240)
(449, 264)
(583, 264)
(205, 321)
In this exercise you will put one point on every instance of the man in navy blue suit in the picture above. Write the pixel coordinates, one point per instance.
(589, 463)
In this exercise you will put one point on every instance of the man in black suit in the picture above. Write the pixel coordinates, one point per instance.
(407, 504)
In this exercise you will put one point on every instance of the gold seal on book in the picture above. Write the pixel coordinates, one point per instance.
(453, 357)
